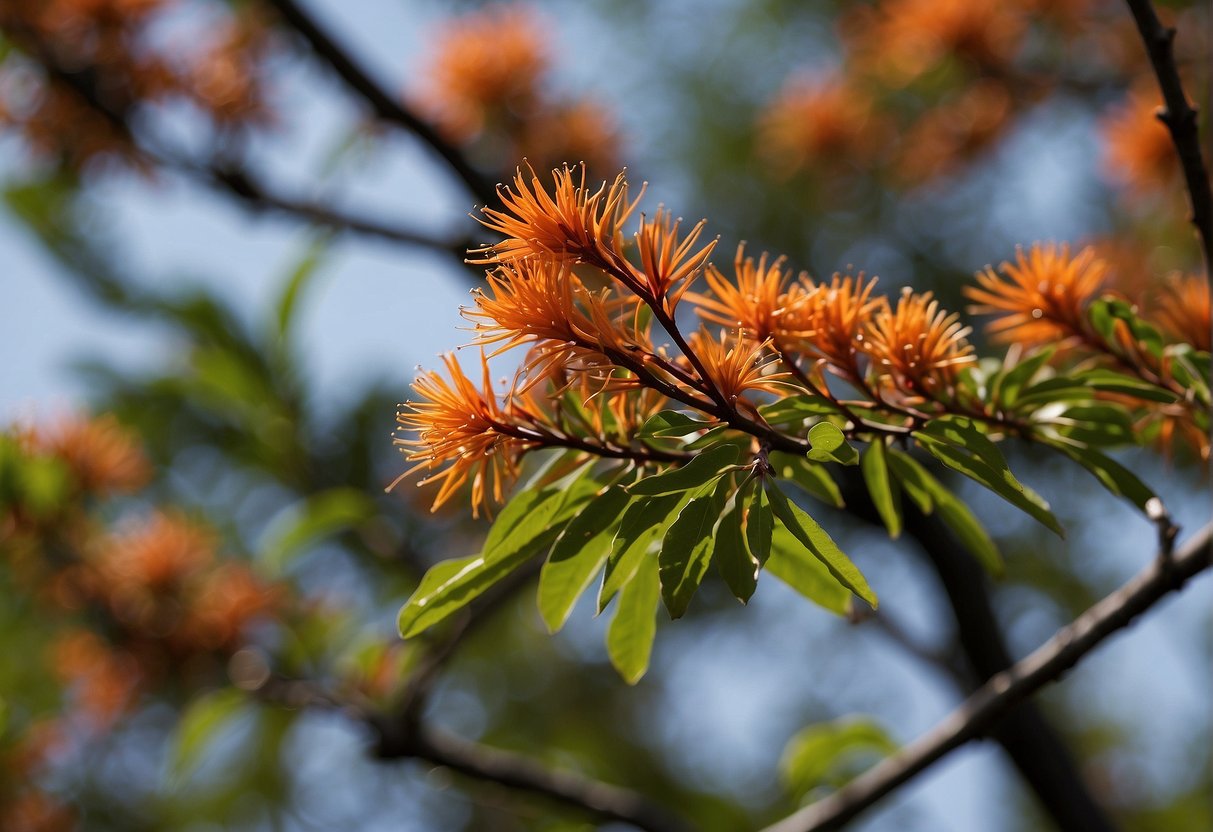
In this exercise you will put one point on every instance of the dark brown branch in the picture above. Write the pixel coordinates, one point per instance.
(1180, 118)
(982, 711)
(384, 104)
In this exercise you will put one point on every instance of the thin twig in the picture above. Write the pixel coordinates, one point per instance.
(982, 711)
(1180, 118)
(386, 106)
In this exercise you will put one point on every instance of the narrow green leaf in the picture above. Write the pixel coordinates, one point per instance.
(530, 522)
(201, 723)
(319, 516)
(580, 552)
(1006, 389)
(759, 524)
(670, 423)
(829, 444)
(1110, 381)
(732, 556)
(629, 637)
(686, 549)
(958, 444)
(1111, 474)
(813, 477)
(644, 523)
(1051, 390)
(875, 470)
(791, 563)
(703, 468)
(1097, 424)
(307, 267)
(796, 409)
(930, 494)
(828, 754)
(815, 539)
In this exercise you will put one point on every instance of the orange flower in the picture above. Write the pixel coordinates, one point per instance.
(828, 321)
(571, 224)
(754, 303)
(666, 261)
(102, 455)
(156, 554)
(735, 364)
(1044, 295)
(558, 133)
(104, 681)
(818, 122)
(954, 131)
(1138, 153)
(226, 601)
(1183, 310)
(464, 429)
(484, 67)
(918, 346)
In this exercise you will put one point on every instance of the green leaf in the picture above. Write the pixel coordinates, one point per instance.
(686, 548)
(759, 524)
(200, 724)
(644, 523)
(826, 754)
(670, 423)
(875, 468)
(795, 409)
(1106, 311)
(732, 556)
(530, 521)
(791, 563)
(958, 444)
(1110, 381)
(1111, 474)
(702, 468)
(629, 637)
(1006, 390)
(930, 494)
(829, 444)
(1096, 424)
(580, 552)
(813, 477)
(321, 515)
(1051, 390)
(815, 539)
(309, 264)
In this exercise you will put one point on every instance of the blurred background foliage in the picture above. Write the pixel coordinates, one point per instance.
(194, 575)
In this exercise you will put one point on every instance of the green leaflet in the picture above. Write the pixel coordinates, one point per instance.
(815, 539)
(829, 444)
(1110, 381)
(930, 494)
(1111, 474)
(875, 468)
(759, 524)
(958, 444)
(813, 477)
(629, 638)
(1096, 424)
(703, 468)
(826, 754)
(1106, 311)
(309, 521)
(1006, 389)
(795, 409)
(526, 525)
(578, 555)
(732, 557)
(686, 549)
(203, 721)
(643, 524)
(670, 423)
(791, 563)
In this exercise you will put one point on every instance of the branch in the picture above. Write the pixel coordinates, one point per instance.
(1180, 119)
(385, 105)
(1001, 693)
(515, 771)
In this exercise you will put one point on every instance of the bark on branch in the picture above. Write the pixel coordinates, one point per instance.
(982, 711)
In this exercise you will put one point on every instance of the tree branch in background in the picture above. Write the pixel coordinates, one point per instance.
(387, 106)
(1004, 691)
(1180, 119)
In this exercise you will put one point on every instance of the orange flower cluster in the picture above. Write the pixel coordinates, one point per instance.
(814, 121)
(485, 88)
(598, 342)
(1138, 153)
(116, 42)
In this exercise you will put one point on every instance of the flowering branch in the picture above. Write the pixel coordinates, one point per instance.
(1180, 119)
(982, 711)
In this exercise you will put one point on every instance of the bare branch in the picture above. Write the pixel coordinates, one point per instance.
(386, 106)
(1180, 118)
(1000, 694)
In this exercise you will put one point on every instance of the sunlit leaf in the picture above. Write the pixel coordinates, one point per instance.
(875, 468)
(829, 444)
(312, 520)
(796, 566)
(670, 423)
(686, 548)
(813, 477)
(703, 468)
(629, 638)
(730, 553)
(1111, 474)
(644, 523)
(828, 753)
